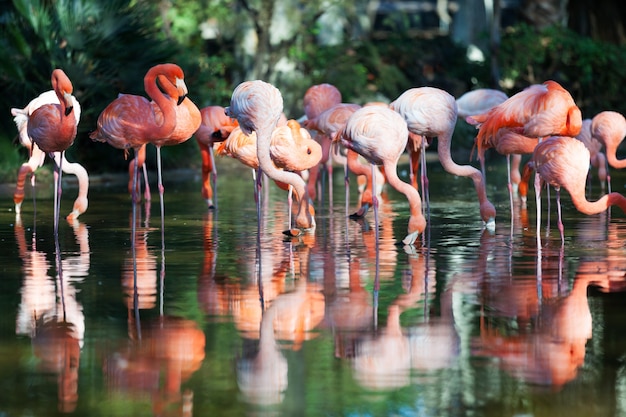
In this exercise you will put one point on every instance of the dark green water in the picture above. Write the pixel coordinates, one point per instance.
(229, 323)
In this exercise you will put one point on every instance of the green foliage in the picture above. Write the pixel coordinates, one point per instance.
(594, 72)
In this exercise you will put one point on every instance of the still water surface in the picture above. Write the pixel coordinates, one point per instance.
(227, 322)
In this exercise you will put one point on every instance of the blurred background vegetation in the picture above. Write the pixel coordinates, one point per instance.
(371, 50)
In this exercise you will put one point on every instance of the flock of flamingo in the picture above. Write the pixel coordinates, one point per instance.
(542, 120)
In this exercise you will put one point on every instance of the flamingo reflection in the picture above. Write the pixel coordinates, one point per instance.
(155, 368)
(386, 361)
(290, 318)
(50, 313)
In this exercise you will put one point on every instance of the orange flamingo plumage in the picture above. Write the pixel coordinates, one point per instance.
(215, 127)
(431, 112)
(52, 127)
(380, 135)
(291, 149)
(563, 162)
(257, 106)
(37, 157)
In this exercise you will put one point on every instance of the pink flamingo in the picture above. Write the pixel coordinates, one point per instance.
(317, 99)
(37, 157)
(131, 121)
(598, 159)
(380, 135)
(52, 127)
(431, 112)
(215, 127)
(609, 128)
(516, 125)
(257, 106)
(562, 161)
(291, 149)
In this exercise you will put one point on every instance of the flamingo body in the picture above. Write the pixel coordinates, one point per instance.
(432, 112)
(380, 135)
(609, 127)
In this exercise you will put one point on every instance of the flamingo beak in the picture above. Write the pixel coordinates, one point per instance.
(182, 90)
(69, 104)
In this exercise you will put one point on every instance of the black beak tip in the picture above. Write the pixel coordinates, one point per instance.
(181, 99)
(68, 110)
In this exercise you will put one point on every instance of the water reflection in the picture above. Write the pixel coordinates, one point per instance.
(340, 321)
(154, 367)
(49, 312)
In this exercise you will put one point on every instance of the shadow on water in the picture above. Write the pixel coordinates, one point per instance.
(340, 321)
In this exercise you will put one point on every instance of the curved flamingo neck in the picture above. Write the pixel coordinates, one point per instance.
(602, 204)
(487, 209)
(412, 195)
(264, 135)
(611, 157)
(163, 102)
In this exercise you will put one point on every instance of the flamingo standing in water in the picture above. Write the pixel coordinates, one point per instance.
(257, 106)
(317, 99)
(131, 121)
(291, 149)
(380, 135)
(609, 127)
(562, 161)
(37, 157)
(431, 112)
(52, 127)
(519, 123)
(214, 127)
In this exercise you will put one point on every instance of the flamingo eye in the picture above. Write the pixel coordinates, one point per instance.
(308, 151)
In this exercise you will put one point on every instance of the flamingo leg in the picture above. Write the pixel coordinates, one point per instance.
(58, 175)
(426, 196)
(509, 184)
(213, 204)
(560, 222)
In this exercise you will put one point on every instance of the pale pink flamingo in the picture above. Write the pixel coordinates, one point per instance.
(562, 161)
(52, 127)
(380, 135)
(37, 156)
(257, 106)
(431, 112)
(609, 127)
(598, 158)
(214, 127)
(317, 99)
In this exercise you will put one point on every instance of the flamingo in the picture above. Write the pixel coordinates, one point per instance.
(317, 99)
(329, 123)
(562, 161)
(131, 121)
(215, 127)
(609, 127)
(52, 127)
(37, 157)
(291, 149)
(380, 135)
(188, 120)
(257, 106)
(431, 112)
(516, 125)
(598, 158)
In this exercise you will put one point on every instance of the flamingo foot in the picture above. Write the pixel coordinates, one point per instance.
(361, 212)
